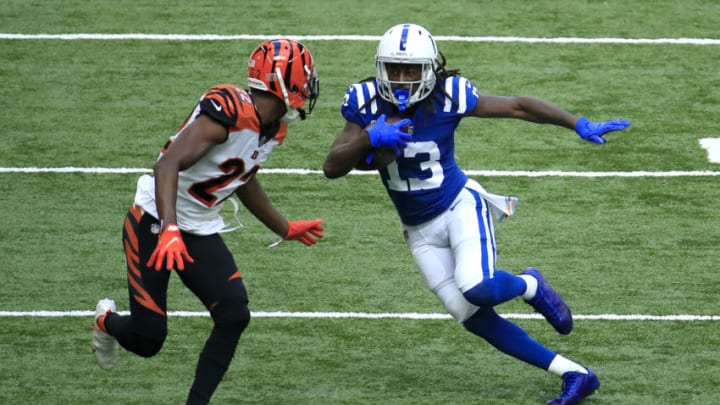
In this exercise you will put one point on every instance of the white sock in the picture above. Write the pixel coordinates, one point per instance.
(531, 286)
(560, 365)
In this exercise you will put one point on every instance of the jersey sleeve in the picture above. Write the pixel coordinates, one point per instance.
(358, 105)
(472, 94)
(223, 103)
(463, 95)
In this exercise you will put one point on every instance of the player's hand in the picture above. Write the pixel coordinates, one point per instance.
(170, 247)
(385, 135)
(593, 131)
(304, 231)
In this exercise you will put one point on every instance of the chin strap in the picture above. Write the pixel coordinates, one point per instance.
(292, 115)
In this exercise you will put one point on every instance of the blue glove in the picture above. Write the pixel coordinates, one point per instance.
(593, 131)
(384, 135)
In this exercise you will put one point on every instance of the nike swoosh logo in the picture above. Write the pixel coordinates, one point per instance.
(217, 107)
(173, 240)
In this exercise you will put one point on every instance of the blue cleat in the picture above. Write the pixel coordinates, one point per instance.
(576, 386)
(550, 304)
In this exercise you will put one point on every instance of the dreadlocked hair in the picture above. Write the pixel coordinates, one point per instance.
(441, 73)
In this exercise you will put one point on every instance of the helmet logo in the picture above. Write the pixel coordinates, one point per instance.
(403, 36)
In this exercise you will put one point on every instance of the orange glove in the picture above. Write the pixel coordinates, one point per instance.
(303, 231)
(170, 246)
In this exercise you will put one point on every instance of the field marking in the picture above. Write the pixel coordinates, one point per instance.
(378, 315)
(279, 314)
(486, 173)
(451, 38)
(712, 146)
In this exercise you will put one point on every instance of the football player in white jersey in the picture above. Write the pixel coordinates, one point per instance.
(402, 122)
(175, 221)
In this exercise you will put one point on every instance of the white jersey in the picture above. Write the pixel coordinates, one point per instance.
(204, 186)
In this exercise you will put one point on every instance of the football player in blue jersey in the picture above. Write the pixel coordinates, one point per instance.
(402, 123)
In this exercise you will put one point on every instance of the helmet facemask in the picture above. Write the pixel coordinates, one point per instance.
(312, 89)
(405, 93)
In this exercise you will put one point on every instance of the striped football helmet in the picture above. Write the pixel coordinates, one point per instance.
(285, 68)
(406, 44)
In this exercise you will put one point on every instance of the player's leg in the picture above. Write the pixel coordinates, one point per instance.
(472, 237)
(215, 280)
(142, 332)
(508, 338)
(450, 252)
(437, 266)
(578, 381)
(436, 262)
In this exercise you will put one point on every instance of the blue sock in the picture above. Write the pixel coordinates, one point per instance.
(509, 338)
(494, 291)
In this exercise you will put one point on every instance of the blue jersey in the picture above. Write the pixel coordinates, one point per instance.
(425, 179)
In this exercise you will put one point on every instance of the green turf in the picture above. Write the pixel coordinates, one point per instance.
(361, 361)
(611, 245)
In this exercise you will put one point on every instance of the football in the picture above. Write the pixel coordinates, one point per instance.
(385, 156)
(396, 118)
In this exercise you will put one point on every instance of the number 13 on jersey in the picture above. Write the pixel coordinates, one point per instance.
(419, 170)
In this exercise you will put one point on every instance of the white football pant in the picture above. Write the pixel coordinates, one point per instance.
(456, 250)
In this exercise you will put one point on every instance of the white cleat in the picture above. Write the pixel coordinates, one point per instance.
(104, 346)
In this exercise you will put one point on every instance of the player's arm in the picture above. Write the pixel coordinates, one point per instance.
(193, 143)
(524, 108)
(351, 145)
(372, 148)
(254, 198)
(542, 112)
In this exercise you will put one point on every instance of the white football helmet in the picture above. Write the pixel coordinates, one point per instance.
(409, 44)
